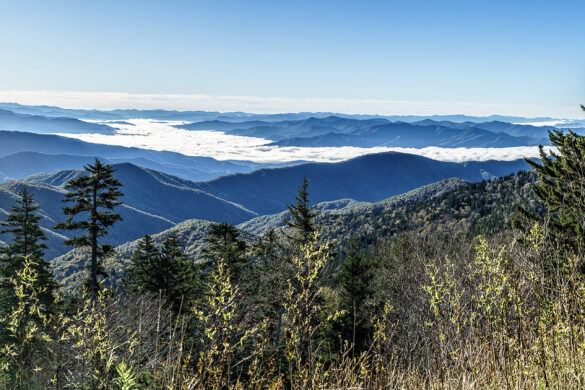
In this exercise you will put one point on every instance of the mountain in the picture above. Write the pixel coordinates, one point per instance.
(334, 131)
(407, 135)
(369, 178)
(49, 199)
(189, 167)
(160, 194)
(19, 165)
(222, 125)
(153, 201)
(193, 116)
(452, 206)
(261, 224)
(42, 124)
(309, 127)
(69, 269)
(522, 130)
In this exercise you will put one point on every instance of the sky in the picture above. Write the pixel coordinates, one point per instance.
(378, 57)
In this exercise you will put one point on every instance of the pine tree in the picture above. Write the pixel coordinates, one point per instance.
(224, 242)
(303, 218)
(27, 243)
(94, 196)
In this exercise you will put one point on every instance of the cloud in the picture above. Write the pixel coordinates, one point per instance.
(112, 100)
(156, 135)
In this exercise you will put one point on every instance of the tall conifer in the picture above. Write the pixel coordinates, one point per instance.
(303, 217)
(27, 243)
(94, 196)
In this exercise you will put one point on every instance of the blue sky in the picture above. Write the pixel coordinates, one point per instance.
(514, 56)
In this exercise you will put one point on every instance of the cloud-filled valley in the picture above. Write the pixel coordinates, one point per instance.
(163, 136)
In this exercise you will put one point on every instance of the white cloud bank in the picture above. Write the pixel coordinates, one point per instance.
(113, 100)
(155, 135)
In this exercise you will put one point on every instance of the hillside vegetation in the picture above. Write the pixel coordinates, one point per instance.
(453, 285)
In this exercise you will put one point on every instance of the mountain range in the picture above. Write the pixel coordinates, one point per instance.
(23, 153)
(193, 116)
(451, 206)
(154, 201)
(335, 131)
(42, 124)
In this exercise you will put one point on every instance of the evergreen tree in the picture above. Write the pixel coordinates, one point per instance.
(561, 188)
(224, 242)
(144, 274)
(272, 278)
(181, 270)
(303, 218)
(355, 280)
(27, 243)
(94, 196)
(166, 271)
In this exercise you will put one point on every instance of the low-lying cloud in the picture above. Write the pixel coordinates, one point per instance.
(163, 136)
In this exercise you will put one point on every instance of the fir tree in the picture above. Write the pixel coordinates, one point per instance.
(27, 243)
(561, 188)
(179, 281)
(94, 196)
(224, 242)
(143, 274)
(303, 218)
(166, 271)
(355, 290)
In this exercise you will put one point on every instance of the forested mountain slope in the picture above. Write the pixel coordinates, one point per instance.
(369, 178)
(451, 206)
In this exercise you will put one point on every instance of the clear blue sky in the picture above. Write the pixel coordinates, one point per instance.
(487, 52)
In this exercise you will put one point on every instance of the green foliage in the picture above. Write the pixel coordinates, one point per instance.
(126, 379)
(302, 312)
(166, 271)
(425, 303)
(27, 243)
(94, 196)
(27, 351)
(355, 296)
(224, 244)
(561, 188)
(303, 218)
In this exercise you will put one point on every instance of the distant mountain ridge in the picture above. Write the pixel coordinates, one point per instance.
(42, 124)
(368, 178)
(193, 116)
(335, 131)
(49, 147)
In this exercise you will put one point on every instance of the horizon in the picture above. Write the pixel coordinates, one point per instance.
(275, 105)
